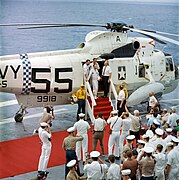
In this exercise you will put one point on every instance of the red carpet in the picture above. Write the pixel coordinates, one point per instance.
(21, 155)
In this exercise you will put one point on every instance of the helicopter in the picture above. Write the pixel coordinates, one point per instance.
(50, 78)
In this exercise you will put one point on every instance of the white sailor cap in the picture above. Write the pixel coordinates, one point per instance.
(114, 112)
(174, 139)
(95, 154)
(149, 133)
(173, 108)
(169, 144)
(136, 111)
(130, 137)
(126, 172)
(71, 163)
(165, 109)
(156, 122)
(159, 131)
(43, 124)
(169, 129)
(141, 142)
(81, 115)
(145, 136)
(71, 129)
(148, 149)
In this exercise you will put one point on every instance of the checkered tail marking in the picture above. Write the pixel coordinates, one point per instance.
(27, 74)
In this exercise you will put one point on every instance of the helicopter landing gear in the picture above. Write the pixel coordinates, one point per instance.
(20, 114)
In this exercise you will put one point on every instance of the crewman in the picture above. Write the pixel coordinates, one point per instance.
(82, 128)
(160, 164)
(128, 145)
(45, 137)
(68, 145)
(126, 174)
(72, 175)
(172, 171)
(98, 132)
(126, 123)
(81, 96)
(159, 132)
(172, 118)
(169, 135)
(114, 169)
(97, 169)
(140, 146)
(147, 164)
(114, 138)
(153, 103)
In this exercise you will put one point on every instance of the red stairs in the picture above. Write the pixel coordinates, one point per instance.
(102, 105)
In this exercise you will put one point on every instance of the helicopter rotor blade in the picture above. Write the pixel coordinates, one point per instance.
(153, 35)
(160, 32)
(46, 25)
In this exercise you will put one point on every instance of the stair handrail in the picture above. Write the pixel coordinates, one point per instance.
(90, 110)
(113, 90)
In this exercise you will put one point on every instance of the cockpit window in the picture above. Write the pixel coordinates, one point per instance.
(169, 64)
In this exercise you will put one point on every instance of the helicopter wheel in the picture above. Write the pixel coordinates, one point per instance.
(18, 117)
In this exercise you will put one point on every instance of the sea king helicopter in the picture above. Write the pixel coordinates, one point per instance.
(50, 78)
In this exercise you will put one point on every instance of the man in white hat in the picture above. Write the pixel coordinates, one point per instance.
(115, 125)
(128, 145)
(160, 164)
(165, 116)
(172, 118)
(147, 164)
(45, 137)
(159, 133)
(97, 169)
(126, 174)
(146, 138)
(140, 146)
(126, 123)
(82, 128)
(72, 175)
(81, 96)
(68, 145)
(173, 161)
(169, 135)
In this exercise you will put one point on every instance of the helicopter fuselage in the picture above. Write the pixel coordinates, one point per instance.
(44, 78)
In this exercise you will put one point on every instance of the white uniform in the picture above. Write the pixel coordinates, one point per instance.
(168, 139)
(172, 119)
(113, 172)
(160, 165)
(94, 75)
(95, 170)
(173, 161)
(114, 138)
(46, 149)
(121, 95)
(159, 141)
(126, 123)
(86, 69)
(82, 128)
(106, 71)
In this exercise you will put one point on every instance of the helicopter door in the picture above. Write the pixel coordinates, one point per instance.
(100, 83)
(141, 69)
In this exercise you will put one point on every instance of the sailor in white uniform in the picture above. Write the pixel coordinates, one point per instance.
(82, 128)
(159, 132)
(115, 125)
(169, 135)
(97, 169)
(126, 174)
(173, 161)
(45, 137)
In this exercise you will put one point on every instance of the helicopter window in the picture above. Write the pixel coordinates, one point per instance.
(169, 64)
(124, 51)
(82, 45)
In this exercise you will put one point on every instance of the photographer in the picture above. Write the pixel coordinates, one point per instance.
(45, 137)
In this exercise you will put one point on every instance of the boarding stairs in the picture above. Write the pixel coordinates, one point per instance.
(103, 105)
